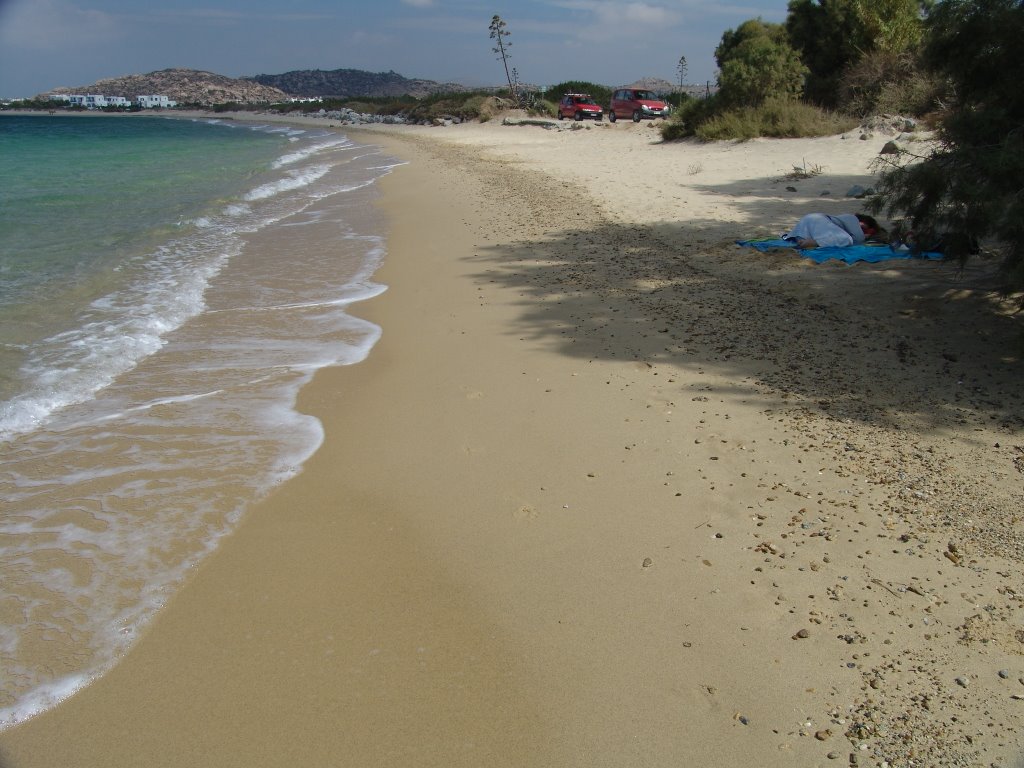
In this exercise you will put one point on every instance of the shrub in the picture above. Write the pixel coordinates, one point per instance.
(466, 106)
(775, 118)
(690, 115)
(883, 82)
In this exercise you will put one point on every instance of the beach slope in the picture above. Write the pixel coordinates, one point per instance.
(613, 491)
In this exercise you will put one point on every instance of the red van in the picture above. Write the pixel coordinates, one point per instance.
(636, 103)
(579, 106)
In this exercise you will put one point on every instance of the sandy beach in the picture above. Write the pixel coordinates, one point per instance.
(616, 492)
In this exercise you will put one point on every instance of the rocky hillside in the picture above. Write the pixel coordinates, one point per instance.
(352, 83)
(191, 86)
(186, 86)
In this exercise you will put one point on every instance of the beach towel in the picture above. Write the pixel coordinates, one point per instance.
(850, 254)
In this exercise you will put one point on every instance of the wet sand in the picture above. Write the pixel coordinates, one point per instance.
(612, 491)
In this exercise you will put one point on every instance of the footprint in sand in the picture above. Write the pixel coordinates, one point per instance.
(526, 514)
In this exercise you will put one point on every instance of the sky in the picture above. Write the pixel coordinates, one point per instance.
(46, 44)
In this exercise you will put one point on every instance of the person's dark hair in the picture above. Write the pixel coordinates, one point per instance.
(872, 224)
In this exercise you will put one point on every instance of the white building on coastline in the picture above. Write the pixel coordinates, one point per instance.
(149, 102)
(98, 101)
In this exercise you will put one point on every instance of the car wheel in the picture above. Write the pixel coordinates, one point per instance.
(578, 116)
(611, 117)
(636, 115)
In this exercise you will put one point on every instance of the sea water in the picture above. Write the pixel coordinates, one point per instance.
(166, 288)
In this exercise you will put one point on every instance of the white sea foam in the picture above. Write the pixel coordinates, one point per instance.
(41, 699)
(294, 180)
(170, 408)
(117, 332)
(333, 143)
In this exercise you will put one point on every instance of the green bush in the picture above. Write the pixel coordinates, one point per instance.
(688, 117)
(882, 82)
(546, 108)
(470, 105)
(775, 118)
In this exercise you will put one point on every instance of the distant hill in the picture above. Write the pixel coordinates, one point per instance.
(352, 83)
(186, 86)
(192, 86)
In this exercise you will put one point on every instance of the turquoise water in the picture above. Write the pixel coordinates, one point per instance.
(82, 198)
(166, 287)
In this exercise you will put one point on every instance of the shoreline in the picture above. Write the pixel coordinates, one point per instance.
(620, 494)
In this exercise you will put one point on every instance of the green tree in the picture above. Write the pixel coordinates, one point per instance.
(968, 188)
(499, 34)
(834, 35)
(829, 35)
(892, 26)
(756, 62)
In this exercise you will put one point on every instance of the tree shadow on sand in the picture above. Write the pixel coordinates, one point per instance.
(898, 344)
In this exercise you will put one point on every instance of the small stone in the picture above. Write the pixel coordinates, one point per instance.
(1004, 673)
(802, 634)
(823, 735)
(647, 562)
(833, 755)
(962, 682)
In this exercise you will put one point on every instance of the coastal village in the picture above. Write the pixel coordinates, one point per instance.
(99, 101)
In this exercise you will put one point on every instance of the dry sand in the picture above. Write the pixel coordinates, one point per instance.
(612, 491)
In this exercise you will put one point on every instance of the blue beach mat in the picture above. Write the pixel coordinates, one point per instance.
(849, 253)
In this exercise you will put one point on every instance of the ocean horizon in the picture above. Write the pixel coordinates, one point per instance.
(168, 286)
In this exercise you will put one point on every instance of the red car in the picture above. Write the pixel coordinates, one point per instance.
(579, 106)
(636, 103)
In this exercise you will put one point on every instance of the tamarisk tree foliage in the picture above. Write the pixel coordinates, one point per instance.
(499, 34)
(970, 187)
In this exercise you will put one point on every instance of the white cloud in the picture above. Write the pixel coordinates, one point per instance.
(610, 19)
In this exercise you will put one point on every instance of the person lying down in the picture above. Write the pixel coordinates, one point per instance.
(822, 230)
